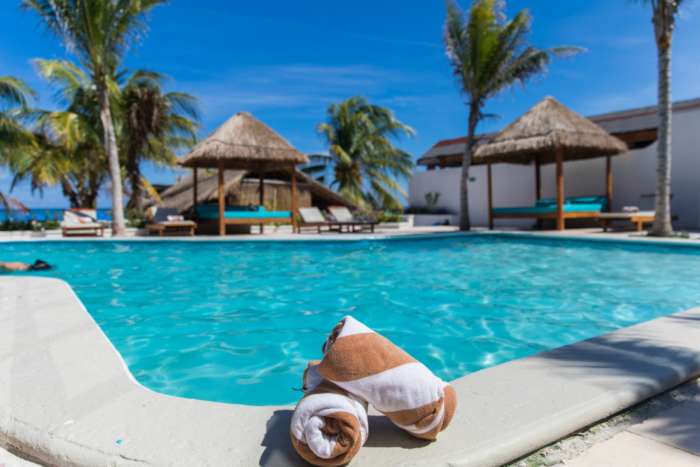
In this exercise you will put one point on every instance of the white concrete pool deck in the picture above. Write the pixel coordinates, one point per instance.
(66, 397)
(668, 439)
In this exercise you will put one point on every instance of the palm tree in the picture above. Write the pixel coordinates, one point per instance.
(489, 54)
(51, 162)
(15, 140)
(664, 18)
(153, 125)
(366, 163)
(98, 33)
(68, 149)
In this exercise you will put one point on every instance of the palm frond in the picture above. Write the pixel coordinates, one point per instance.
(14, 92)
(150, 190)
(365, 161)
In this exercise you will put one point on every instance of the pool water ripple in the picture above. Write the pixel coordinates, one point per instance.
(237, 321)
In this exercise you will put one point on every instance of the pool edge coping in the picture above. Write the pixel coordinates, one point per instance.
(627, 239)
(49, 444)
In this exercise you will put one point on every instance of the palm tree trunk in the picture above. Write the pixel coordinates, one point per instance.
(70, 193)
(464, 220)
(134, 175)
(110, 143)
(662, 225)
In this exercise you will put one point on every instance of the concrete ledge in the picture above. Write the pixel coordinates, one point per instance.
(388, 233)
(66, 397)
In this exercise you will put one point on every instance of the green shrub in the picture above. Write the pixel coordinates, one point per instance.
(37, 226)
(135, 218)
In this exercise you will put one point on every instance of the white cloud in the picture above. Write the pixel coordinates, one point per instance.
(297, 88)
(630, 97)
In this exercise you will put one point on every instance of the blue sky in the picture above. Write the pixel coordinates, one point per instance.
(287, 61)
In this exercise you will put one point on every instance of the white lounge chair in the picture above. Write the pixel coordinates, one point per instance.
(313, 217)
(344, 217)
(82, 223)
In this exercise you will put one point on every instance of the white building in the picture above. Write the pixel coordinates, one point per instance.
(634, 181)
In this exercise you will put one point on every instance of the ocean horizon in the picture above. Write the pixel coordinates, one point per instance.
(46, 214)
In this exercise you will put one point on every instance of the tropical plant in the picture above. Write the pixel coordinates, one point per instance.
(664, 18)
(14, 138)
(488, 54)
(431, 199)
(154, 124)
(98, 32)
(365, 161)
(67, 149)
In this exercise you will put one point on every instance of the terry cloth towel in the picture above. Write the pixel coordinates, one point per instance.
(329, 426)
(368, 365)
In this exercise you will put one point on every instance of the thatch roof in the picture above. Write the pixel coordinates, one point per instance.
(180, 196)
(243, 142)
(542, 131)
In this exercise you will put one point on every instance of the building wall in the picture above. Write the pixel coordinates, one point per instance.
(634, 180)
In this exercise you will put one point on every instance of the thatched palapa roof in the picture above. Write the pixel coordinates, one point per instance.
(545, 129)
(243, 142)
(180, 195)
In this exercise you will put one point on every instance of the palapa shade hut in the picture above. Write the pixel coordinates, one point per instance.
(244, 143)
(550, 133)
(244, 190)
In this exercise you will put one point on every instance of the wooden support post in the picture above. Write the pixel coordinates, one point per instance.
(261, 188)
(294, 198)
(490, 197)
(609, 181)
(538, 179)
(560, 190)
(222, 202)
(194, 192)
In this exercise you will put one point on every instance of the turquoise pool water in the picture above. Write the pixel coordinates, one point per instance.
(237, 321)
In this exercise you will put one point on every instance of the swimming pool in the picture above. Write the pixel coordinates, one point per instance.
(237, 321)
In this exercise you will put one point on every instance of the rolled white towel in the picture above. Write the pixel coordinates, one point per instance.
(329, 425)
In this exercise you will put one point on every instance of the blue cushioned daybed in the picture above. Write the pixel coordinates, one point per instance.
(243, 215)
(546, 208)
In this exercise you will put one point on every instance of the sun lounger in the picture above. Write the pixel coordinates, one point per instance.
(313, 217)
(344, 218)
(638, 218)
(167, 222)
(81, 223)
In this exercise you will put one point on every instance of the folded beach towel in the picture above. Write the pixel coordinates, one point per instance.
(329, 426)
(368, 365)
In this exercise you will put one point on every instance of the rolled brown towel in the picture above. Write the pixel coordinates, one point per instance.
(368, 365)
